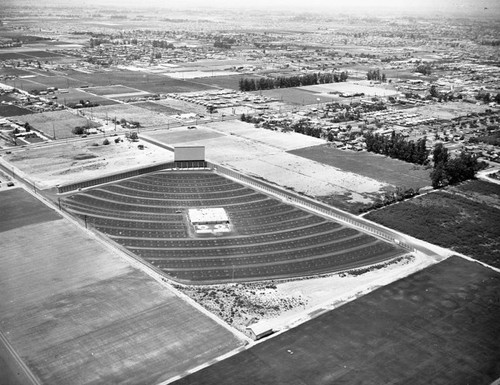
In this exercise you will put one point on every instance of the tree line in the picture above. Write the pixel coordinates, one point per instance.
(449, 171)
(162, 44)
(424, 69)
(376, 75)
(396, 146)
(247, 84)
(492, 139)
(303, 126)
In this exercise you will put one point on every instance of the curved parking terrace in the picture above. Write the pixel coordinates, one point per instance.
(269, 239)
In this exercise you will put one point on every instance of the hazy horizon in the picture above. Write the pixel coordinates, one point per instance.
(489, 8)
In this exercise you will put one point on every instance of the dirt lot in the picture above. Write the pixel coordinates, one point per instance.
(68, 162)
(239, 145)
(78, 313)
(129, 112)
(439, 325)
(283, 304)
(296, 96)
(351, 88)
(447, 111)
(262, 153)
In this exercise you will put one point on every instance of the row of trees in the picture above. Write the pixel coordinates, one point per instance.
(96, 41)
(222, 44)
(82, 104)
(162, 44)
(492, 139)
(303, 126)
(376, 75)
(487, 97)
(389, 198)
(396, 146)
(291, 81)
(449, 171)
(424, 69)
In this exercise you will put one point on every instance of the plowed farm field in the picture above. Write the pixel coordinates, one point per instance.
(438, 326)
(76, 313)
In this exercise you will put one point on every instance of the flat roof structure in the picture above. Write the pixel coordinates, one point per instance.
(207, 216)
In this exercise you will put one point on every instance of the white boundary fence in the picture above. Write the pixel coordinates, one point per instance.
(319, 207)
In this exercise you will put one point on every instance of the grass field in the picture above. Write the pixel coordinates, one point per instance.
(44, 81)
(138, 80)
(60, 123)
(42, 54)
(465, 219)
(388, 170)
(20, 209)
(296, 96)
(135, 80)
(76, 313)
(28, 55)
(12, 56)
(11, 110)
(484, 192)
(438, 326)
(56, 81)
(26, 84)
(9, 71)
(157, 107)
(231, 82)
(110, 90)
(7, 98)
(74, 96)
